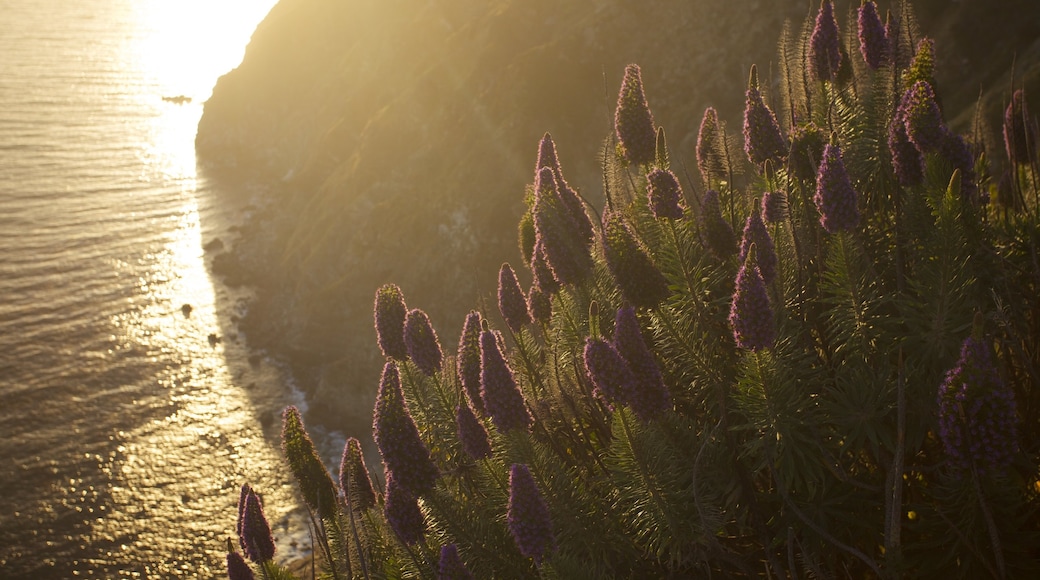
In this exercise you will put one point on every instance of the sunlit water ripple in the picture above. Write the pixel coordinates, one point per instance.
(124, 434)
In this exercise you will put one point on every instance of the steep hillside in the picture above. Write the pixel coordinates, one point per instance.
(400, 134)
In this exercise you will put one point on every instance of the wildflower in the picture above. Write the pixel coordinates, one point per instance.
(640, 281)
(774, 206)
(421, 340)
(528, 515)
(1019, 130)
(922, 68)
(955, 150)
(402, 512)
(472, 435)
(526, 236)
(977, 420)
(872, 42)
(892, 32)
(256, 539)
(650, 396)
(237, 568)
(710, 158)
(807, 143)
(762, 138)
(633, 122)
(502, 398)
(755, 233)
(575, 207)
(562, 245)
(835, 199)
(541, 274)
(750, 313)
(664, 194)
(921, 117)
(824, 45)
(390, 312)
(717, 234)
(907, 161)
(539, 305)
(315, 483)
(243, 495)
(467, 361)
(511, 300)
(611, 377)
(397, 437)
(450, 567)
(354, 480)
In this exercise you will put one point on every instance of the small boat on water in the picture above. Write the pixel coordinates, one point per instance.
(177, 100)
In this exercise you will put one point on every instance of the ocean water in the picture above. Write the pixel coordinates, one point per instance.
(125, 431)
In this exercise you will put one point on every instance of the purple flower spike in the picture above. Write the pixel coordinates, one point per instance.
(807, 143)
(977, 420)
(1019, 130)
(422, 343)
(511, 300)
(650, 396)
(528, 515)
(539, 305)
(560, 238)
(472, 435)
(402, 512)
(892, 41)
(610, 374)
(762, 138)
(824, 45)
(354, 480)
(243, 495)
(640, 281)
(237, 568)
(750, 314)
(872, 42)
(256, 532)
(315, 483)
(633, 121)
(755, 233)
(774, 207)
(389, 313)
(450, 566)
(907, 161)
(502, 398)
(922, 118)
(717, 234)
(835, 198)
(664, 194)
(575, 207)
(397, 437)
(467, 362)
(955, 150)
(710, 158)
(541, 274)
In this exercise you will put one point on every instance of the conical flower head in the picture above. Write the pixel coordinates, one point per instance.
(502, 397)
(978, 424)
(921, 117)
(421, 340)
(807, 143)
(450, 566)
(835, 198)
(774, 207)
(907, 162)
(397, 437)
(872, 42)
(633, 122)
(526, 237)
(562, 244)
(541, 274)
(575, 207)
(354, 480)
(955, 150)
(467, 360)
(640, 281)
(762, 138)
(242, 497)
(528, 515)
(664, 194)
(750, 313)
(539, 305)
(402, 512)
(471, 432)
(922, 67)
(256, 539)
(755, 234)
(896, 55)
(710, 157)
(314, 480)
(237, 568)
(611, 377)
(511, 300)
(650, 396)
(390, 312)
(716, 232)
(824, 45)
(1019, 130)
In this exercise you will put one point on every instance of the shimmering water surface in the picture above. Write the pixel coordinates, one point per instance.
(124, 433)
